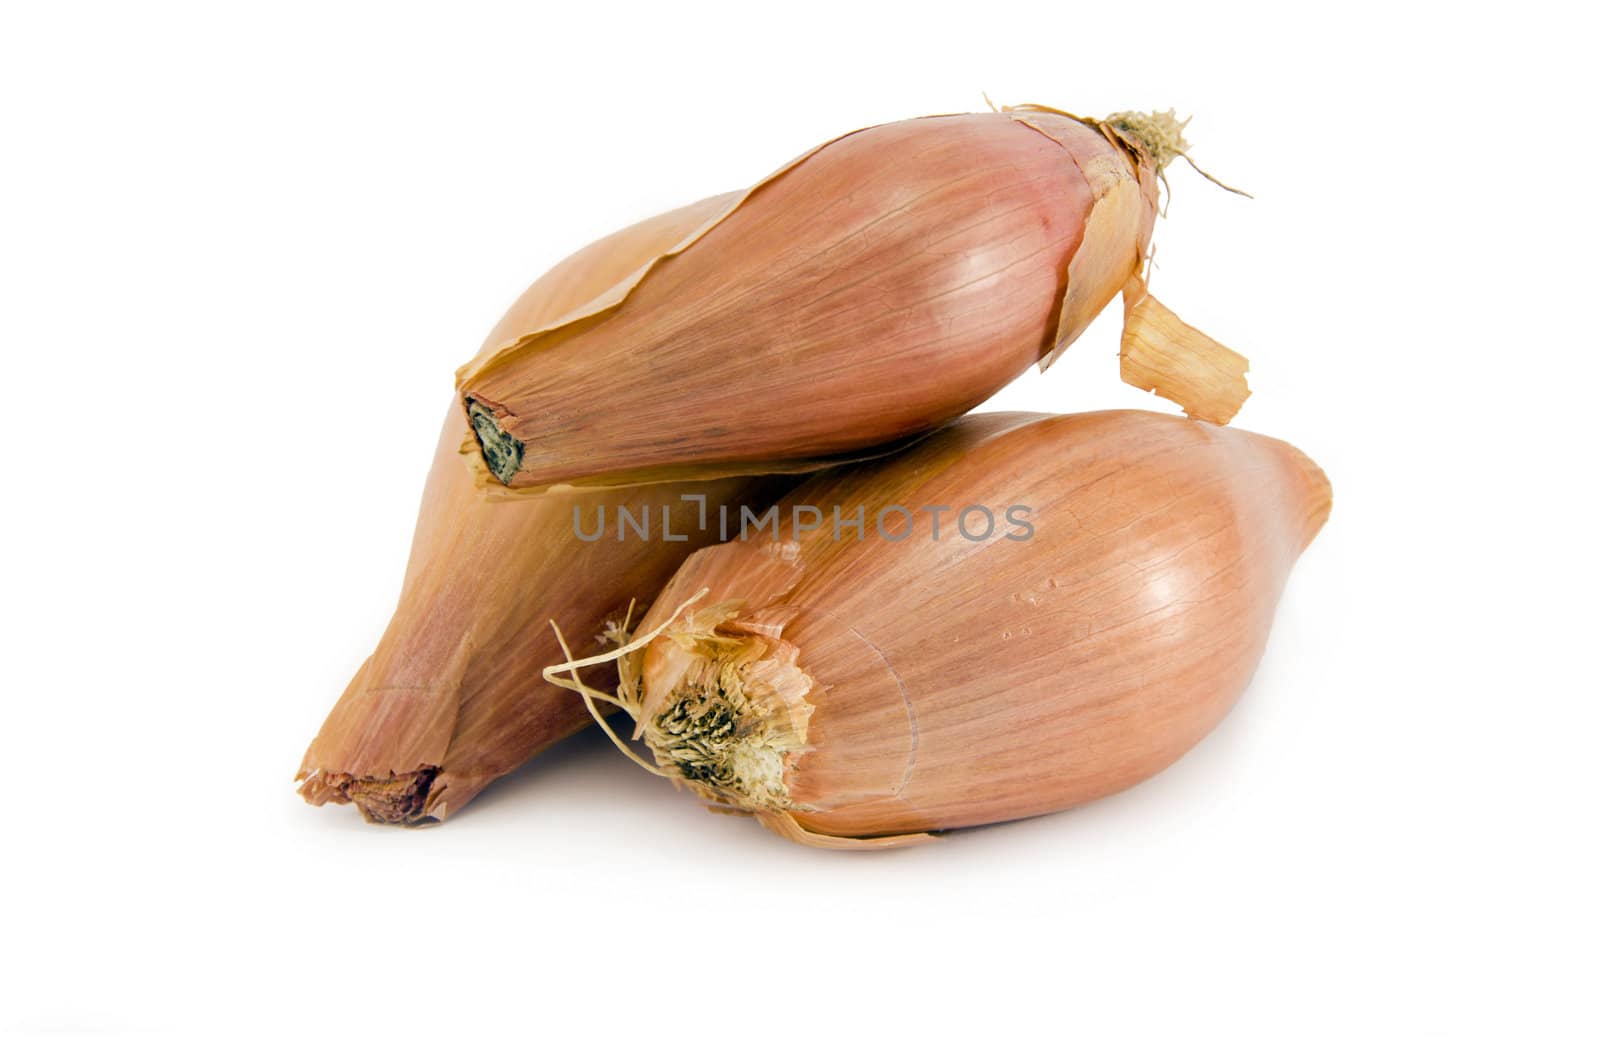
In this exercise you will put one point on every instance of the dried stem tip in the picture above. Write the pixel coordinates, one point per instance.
(502, 452)
(1161, 136)
(1161, 133)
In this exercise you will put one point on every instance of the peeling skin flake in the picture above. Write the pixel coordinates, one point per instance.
(1162, 354)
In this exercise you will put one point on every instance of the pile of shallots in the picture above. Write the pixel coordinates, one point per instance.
(714, 474)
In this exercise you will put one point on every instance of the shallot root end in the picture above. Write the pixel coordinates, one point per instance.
(502, 452)
(395, 800)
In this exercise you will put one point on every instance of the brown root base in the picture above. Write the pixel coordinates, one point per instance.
(395, 800)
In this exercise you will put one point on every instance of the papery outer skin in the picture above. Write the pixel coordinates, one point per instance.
(582, 283)
(455, 682)
(963, 683)
(1163, 355)
(1117, 233)
(873, 289)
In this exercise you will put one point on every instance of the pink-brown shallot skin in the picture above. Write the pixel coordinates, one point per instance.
(960, 682)
(872, 290)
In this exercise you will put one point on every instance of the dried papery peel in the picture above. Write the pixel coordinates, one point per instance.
(853, 298)
(785, 825)
(956, 682)
(567, 676)
(1116, 234)
(1163, 355)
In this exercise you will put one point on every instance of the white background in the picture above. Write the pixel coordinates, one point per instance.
(236, 245)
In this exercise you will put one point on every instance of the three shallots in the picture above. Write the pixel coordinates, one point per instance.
(955, 620)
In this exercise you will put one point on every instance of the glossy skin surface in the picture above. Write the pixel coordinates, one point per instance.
(962, 682)
(877, 288)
